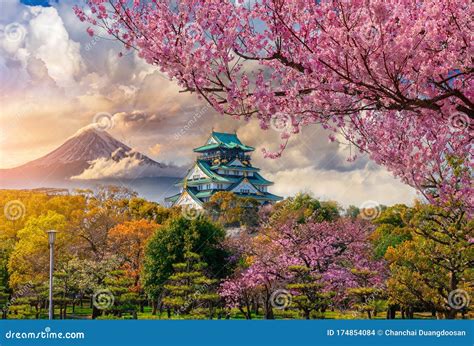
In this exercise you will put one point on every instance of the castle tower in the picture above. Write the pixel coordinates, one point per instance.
(223, 164)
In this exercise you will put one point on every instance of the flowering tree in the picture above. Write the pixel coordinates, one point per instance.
(241, 292)
(328, 252)
(394, 78)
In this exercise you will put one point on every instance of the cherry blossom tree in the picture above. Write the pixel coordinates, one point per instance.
(241, 292)
(330, 252)
(395, 78)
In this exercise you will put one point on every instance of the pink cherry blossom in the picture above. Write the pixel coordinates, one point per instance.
(330, 250)
(395, 78)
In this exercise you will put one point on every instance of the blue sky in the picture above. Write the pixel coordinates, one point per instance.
(37, 2)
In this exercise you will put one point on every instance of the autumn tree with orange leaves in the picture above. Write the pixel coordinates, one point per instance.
(128, 241)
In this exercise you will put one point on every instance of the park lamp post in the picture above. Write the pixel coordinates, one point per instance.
(51, 239)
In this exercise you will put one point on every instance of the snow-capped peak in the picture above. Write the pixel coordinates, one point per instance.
(87, 144)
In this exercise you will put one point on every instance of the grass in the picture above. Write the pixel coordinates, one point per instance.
(85, 312)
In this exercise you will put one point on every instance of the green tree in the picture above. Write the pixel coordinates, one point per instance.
(125, 300)
(139, 208)
(301, 208)
(435, 262)
(233, 211)
(67, 277)
(4, 291)
(391, 229)
(352, 211)
(307, 290)
(365, 295)
(189, 289)
(167, 247)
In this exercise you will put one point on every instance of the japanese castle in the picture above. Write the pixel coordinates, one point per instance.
(223, 164)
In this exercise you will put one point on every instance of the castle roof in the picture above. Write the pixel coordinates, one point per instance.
(240, 168)
(225, 141)
(197, 195)
(188, 191)
(212, 176)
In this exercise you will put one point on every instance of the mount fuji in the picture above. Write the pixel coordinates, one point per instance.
(90, 157)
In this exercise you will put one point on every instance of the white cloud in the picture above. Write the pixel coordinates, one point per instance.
(346, 188)
(39, 33)
(129, 167)
(49, 41)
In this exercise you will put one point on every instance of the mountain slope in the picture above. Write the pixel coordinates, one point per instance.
(90, 154)
(87, 144)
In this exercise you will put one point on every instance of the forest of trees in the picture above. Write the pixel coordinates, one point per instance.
(120, 256)
(392, 80)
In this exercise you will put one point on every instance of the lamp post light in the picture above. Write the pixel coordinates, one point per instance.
(51, 239)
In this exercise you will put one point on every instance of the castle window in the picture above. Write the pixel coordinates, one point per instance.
(247, 191)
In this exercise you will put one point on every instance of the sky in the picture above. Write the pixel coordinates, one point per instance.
(55, 79)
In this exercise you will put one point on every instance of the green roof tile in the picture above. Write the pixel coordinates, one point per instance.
(256, 179)
(224, 140)
(204, 166)
(264, 196)
(189, 191)
(241, 168)
(202, 194)
(173, 198)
